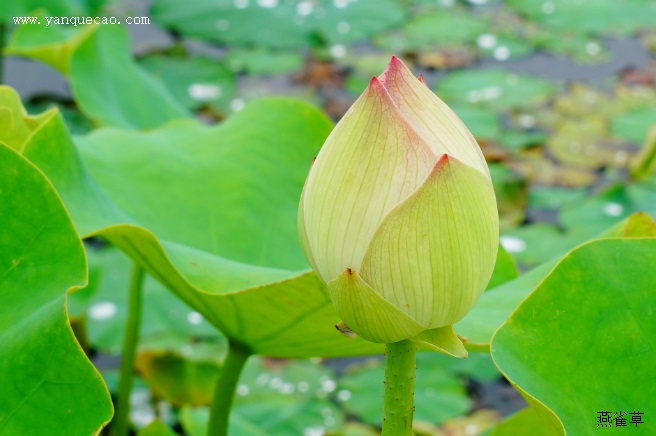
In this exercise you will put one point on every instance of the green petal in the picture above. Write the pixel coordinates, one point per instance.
(372, 160)
(368, 314)
(433, 120)
(443, 340)
(433, 255)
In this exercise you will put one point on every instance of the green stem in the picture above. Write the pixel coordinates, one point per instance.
(398, 399)
(224, 390)
(130, 340)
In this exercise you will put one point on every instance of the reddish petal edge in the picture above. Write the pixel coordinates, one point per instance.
(377, 88)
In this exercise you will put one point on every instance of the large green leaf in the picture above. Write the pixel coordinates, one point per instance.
(48, 383)
(278, 23)
(210, 212)
(112, 89)
(498, 304)
(583, 342)
(48, 42)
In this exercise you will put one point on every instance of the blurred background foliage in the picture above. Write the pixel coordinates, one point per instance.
(560, 94)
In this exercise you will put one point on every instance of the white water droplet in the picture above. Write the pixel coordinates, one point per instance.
(141, 411)
(102, 310)
(501, 53)
(621, 157)
(340, 4)
(327, 384)
(287, 388)
(486, 40)
(241, 4)
(329, 421)
(592, 48)
(474, 96)
(267, 3)
(548, 8)
(344, 395)
(314, 431)
(526, 121)
(478, 2)
(513, 244)
(303, 386)
(275, 383)
(491, 92)
(262, 379)
(613, 209)
(512, 79)
(304, 8)
(243, 390)
(165, 410)
(343, 27)
(471, 429)
(337, 51)
(204, 91)
(194, 318)
(142, 417)
(237, 104)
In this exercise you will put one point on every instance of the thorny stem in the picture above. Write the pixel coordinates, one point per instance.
(398, 399)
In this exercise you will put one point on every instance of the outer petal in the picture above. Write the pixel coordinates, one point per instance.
(366, 313)
(431, 117)
(434, 254)
(302, 233)
(443, 340)
(371, 161)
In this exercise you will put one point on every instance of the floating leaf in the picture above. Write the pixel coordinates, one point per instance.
(278, 23)
(15, 8)
(634, 125)
(110, 88)
(495, 88)
(598, 17)
(433, 30)
(290, 399)
(103, 305)
(504, 270)
(262, 61)
(194, 82)
(181, 373)
(511, 191)
(43, 370)
(483, 123)
(156, 428)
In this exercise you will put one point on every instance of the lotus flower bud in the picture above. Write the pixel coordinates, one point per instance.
(398, 215)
